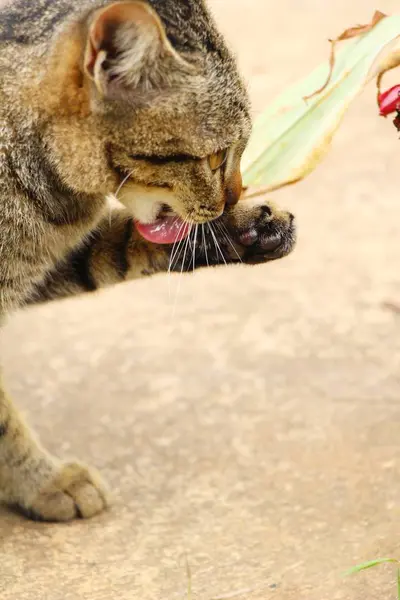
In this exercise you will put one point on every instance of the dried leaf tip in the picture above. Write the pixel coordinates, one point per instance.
(347, 34)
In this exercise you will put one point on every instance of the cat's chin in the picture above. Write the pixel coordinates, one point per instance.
(168, 229)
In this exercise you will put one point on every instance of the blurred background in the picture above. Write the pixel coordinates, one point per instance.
(251, 432)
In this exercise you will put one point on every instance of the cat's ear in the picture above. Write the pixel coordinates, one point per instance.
(127, 49)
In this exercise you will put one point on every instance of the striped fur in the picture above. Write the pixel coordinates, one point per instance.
(81, 113)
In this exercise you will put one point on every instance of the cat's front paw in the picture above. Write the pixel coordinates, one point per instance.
(75, 492)
(260, 232)
(248, 232)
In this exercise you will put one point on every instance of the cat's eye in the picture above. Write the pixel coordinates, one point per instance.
(217, 160)
(155, 159)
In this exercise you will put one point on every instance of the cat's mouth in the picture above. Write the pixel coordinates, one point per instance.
(167, 228)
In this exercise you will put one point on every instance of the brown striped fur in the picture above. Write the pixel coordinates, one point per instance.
(98, 96)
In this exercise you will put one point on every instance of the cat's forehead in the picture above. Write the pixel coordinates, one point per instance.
(182, 130)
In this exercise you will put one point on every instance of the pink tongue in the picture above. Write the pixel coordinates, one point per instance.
(166, 230)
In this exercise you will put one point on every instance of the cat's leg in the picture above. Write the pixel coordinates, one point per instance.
(36, 483)
(41, 486)
(248, 232)
(114, 252)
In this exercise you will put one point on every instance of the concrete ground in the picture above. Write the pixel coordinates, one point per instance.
(254, 434)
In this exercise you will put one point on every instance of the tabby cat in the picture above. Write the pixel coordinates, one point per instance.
(140, 99)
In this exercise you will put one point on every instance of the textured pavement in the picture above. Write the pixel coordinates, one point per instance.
(251, 432)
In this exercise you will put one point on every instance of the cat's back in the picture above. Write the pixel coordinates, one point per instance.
(26, 28)
(26, 31)
(29, 22)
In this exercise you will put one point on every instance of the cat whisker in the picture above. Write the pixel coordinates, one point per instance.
(180, 275)
(175, 246)
(175, 256)
(190, 241)
(178, 254)
(217, 246)
(184, 254)
(194, 246)
(226, 235)
(175, 253)
(204, 243)
(123, 182)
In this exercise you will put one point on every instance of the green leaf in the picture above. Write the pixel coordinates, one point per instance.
(292, 135)
(398, 584)
(370, 564)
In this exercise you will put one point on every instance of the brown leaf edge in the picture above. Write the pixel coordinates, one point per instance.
(348, 34)
(392, 61)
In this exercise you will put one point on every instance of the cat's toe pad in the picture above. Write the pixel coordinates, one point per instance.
(269, 234)
(266, 242)
(75, 492)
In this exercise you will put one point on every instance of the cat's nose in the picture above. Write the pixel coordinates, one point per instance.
(233, 188)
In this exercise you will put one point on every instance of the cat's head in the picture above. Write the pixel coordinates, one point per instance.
(166, 90)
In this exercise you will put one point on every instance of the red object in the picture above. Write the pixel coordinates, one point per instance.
(389, 101)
